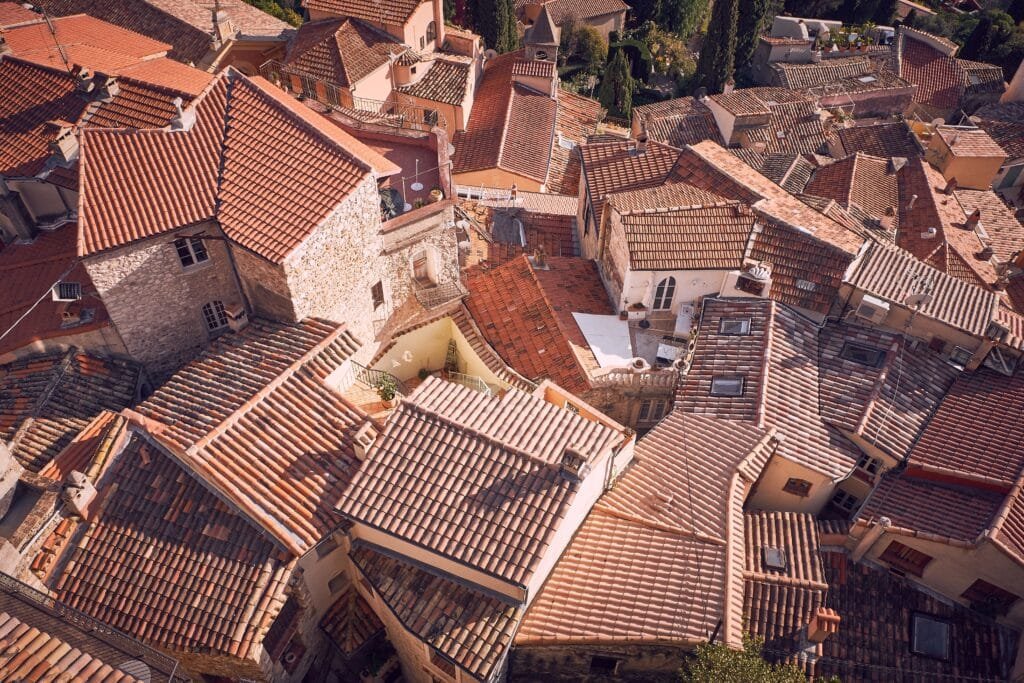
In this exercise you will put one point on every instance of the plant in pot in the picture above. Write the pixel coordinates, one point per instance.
(387, 389)
(424, 373)
(436, 195)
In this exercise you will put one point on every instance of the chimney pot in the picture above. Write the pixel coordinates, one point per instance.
(910, 204)
(183, 119)
(78, 493)
(641, 143)
(824, 623)
(973, 220)
(574, 466)
(237, 317)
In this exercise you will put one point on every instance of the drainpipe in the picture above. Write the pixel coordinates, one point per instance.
(870, 538)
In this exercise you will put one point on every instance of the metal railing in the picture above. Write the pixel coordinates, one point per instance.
(390, 112)
(95, 628)
(471, 381)
(374, 378)
(436, 295)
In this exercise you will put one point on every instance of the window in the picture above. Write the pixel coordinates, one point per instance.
(960, 357)
(651, 410)
(377, 292)
(869, 464)
(430, 117)
(337, 583)
(412, 70)
(845, 501)
(798, 487)
(862, 355)
(905, 558)
(67, 291)
(431, 32)
(749, 285)
(663, 294)
(930, 637)
(989, 599)
(541, 55)
(603, 665)
(774, 558)
(726, 386)
(326, 547)
(215, 316)
(806, 285)
(734, 327)
(423, 43)
(191, 251)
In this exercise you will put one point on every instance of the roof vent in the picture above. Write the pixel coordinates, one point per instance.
(363, 440)
(574, 465)
(913, 200)
(67, 291)
(762, 272)
(774, 558)
(930, 233)
(896, 163)
(183, 119)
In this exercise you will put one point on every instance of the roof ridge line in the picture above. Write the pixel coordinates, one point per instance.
(762, 577)
(766, 355)
(265, 391)
(667, 528)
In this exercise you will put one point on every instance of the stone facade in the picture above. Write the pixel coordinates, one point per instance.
(645, 663)
(428, 231)
(155, 303)
(265, 285)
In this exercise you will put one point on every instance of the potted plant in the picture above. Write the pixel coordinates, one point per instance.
(423, 373)
(387, 389)
(436, 195)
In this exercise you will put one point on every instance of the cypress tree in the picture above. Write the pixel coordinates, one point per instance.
(979, 41)
(886, 13)
(508, 38)
(485, 21)
(616, 93)
(748, 29)
(716, 64)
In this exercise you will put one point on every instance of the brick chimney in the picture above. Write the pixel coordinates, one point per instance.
(78, 493)
(574, 466)
(237, 317)
(824, 623)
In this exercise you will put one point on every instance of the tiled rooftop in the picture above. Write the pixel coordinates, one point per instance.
(396, 12)
(561, 10)
(350, 622)
(136, 184)
(46, 400)
(617, 166)
(879, 139)
(867, 181)
(254, 418)
(969, 142)
(674, 519)
(698, 238)
(1005, 233)
(214, 582)
(678, 122)
(184, 24)
(1004, 122)
(340, 51)
(778, 361)
(450, 455)
(797, 76)
(525, 313)
(789, 171)
(447, 81)
(466, 625)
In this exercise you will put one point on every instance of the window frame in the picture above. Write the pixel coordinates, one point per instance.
(866, 462)
(915, 619)
(377, 294)
(186, 247)
(845, 496)
(216, 314)
(432, 32)
(664, 294)
(718, 391)
(744, 324)
(604, 670)
(798, 487)
(851, 348)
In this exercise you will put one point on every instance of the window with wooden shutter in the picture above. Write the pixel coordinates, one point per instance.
(905, 558)
(989, 598)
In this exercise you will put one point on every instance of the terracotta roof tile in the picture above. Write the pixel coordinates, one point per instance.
(231, 417)
(678, 122)
(214, 582)
(617, 166)
(187, 25)
(929, 62)
(13, 14)
(1003, 230)
(393, 12)
(879, 139)
(447, 81)
(525, 313)
(806, 272)
(577, 120)
(561, 10)
(465, 625)
(450, 455)
(1004, 122)
(46, 400)
(341, 51)
(969, 142)
(793, 127)
(789, 171)
(350, 622)
(674, 519)
(798, 76)
(778, 361)
(867, 181)
(136, 184)
(707, 237)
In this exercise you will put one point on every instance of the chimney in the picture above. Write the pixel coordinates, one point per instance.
(973, 220)
(238, 319)
(105, 87)
(824, 623)
(78, 493)
(223, 28)
(83, 80)
(64, 144)
(540, 258)
(950, 186)
(910, 204)
(363, 440)
(574, 466)
(5, 49)
(183, 119)
(641, 143)
(870, 537)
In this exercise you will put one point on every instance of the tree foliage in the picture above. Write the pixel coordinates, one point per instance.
(682, 17)
(749, 26)
(617, 87)
(275, 9)
(669, 53)
(584, 44)
(720, 664)
(495, 21)
(716, 64)
(1016, 11)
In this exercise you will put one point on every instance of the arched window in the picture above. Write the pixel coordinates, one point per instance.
(431, 32)
(663, 294)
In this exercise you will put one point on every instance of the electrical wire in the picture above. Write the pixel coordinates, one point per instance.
(38, 301)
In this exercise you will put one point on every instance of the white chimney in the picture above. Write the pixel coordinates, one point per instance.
(237, 317)
(223, 28)
(870, 537)
(910, 204)
(64, 143)
(183, 119)
(105, 88)
(574, 466)
(364, 440)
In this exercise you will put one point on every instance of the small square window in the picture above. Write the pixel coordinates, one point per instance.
(67, 291)
(960, 357)
(774, 558)
(377, 292)
(726, 386)
(731, 327)
(191, 251)
(862, 355)
(869, 464)
(337, 583)
(930, 637)
(844, 501)
(798, 487)
(606, 666)
(326, 547)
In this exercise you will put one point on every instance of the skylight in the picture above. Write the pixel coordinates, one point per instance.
(726, 386)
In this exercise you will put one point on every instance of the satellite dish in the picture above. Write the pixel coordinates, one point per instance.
(917, 300)
(490, 54)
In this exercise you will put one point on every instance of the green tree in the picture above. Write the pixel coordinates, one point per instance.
(721, 664)
(616, 92)
(716, 63)
(682, 17)
(994, 30)
(449, 10)
(591, 48)
(910, 19)
(886, 13)
(642, 11)
(275, 9)
(748, 29)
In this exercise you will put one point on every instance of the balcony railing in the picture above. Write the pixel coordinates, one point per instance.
(437, 295)
(654, 379)
(471, 381)
(360, 110)
(374, 378)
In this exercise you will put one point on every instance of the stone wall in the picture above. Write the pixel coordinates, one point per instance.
(330, 274)
(430, 228)
(565, 663)
(155, 304)
(265, 285)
